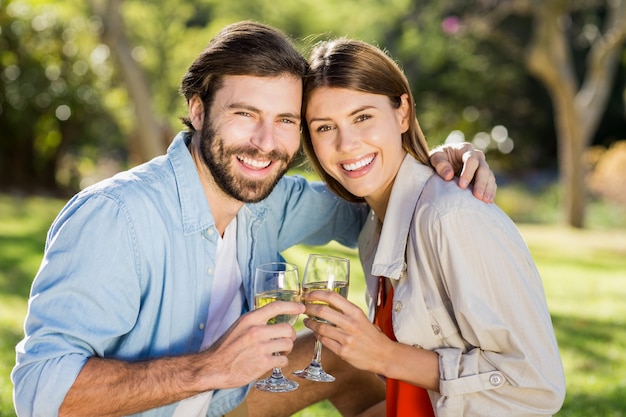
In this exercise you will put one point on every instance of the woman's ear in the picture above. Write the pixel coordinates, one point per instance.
(196, 112)
(404, 112)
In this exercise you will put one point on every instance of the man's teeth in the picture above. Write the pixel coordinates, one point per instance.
(358, 164)
(254, 163)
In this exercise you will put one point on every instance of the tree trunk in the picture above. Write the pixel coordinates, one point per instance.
(577, 111)
(149, 131)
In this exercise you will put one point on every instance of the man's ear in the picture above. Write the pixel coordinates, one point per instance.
(196, 112)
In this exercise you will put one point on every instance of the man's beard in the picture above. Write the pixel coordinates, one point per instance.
(218, 158)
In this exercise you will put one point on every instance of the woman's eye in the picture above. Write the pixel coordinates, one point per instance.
(363, 117)
(323, 128)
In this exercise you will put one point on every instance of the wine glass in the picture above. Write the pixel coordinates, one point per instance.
(273, 282)
(330, 273)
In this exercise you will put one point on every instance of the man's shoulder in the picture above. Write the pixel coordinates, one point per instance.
(146, 184)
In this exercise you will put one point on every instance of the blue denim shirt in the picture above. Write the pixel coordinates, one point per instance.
(128, 269)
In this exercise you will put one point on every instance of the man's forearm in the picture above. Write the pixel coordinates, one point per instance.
(108, 387)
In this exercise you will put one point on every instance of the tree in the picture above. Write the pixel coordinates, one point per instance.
(150, 133)
(578, 105)
(50, 105)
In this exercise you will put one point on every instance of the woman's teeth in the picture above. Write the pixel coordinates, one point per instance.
(358, 164)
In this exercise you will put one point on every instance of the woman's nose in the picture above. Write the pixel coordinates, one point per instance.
(347, 140)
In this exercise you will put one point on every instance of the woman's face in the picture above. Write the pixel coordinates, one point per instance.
(357, 138)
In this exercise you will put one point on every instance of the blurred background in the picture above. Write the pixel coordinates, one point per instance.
(89, 88)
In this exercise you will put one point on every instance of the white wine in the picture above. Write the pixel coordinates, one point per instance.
(267, 297)
(340, 287)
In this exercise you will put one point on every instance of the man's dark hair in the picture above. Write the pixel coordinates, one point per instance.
(243, 48)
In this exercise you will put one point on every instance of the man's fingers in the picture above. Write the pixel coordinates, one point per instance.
(439, 161)
(484, 182)
(486, 191)
(271, 310)
(471, 163)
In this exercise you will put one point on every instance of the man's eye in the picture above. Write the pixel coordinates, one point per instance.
(243, 113)
(287, 121)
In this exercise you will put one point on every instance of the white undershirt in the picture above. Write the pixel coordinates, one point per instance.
(227, 300)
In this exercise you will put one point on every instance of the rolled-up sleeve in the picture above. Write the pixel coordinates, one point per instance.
(81, 300)
(467, 289)
(508, 361)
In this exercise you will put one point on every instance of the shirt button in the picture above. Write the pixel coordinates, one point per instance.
(436, 329)
(210, 231)
(201, 326)
(209, 271)
(495, 379)
(397, 306)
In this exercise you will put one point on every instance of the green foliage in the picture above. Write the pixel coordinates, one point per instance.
(462, 81)
(608, 173)
(541, 204)
(50, 100)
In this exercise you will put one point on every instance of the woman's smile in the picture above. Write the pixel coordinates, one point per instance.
(360, 165)
(357, 138)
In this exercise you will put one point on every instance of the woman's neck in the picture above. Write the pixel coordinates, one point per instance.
(379, 199)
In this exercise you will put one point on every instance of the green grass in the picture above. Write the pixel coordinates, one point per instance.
(584, 273)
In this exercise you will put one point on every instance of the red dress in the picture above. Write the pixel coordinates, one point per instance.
(403, 399)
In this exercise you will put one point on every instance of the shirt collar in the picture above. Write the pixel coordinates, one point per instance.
(407, 189)
(196, 214)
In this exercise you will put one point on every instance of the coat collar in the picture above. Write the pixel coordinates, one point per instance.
(409, 184)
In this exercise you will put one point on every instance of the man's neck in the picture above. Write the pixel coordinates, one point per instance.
(224, 208)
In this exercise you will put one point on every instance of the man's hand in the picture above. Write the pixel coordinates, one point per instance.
(242, 354)
(470, 164)
(246, 351)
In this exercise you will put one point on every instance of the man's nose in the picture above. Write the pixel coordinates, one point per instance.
(264, 137)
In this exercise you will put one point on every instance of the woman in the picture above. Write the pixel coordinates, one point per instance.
(450, 281)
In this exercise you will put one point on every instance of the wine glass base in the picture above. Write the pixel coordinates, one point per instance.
(314, 372)
(276, 385)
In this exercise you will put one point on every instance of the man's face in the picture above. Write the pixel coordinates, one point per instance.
(251, 134)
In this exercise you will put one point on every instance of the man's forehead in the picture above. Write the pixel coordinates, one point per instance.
(234, 81)
(282, 90)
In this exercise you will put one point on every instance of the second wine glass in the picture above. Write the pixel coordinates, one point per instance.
(330, 273)
(277, 281)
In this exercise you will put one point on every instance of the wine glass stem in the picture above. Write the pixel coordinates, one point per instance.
(317, 355)
(277, 373)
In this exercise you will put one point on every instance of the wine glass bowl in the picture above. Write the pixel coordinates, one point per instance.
(277, 281)
(264, 298)
(327, 273)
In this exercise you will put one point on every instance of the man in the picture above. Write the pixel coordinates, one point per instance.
(143, 294)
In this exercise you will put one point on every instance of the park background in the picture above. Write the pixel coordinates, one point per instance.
(89, 88)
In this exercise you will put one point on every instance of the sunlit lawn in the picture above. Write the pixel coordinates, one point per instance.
(584, 274)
